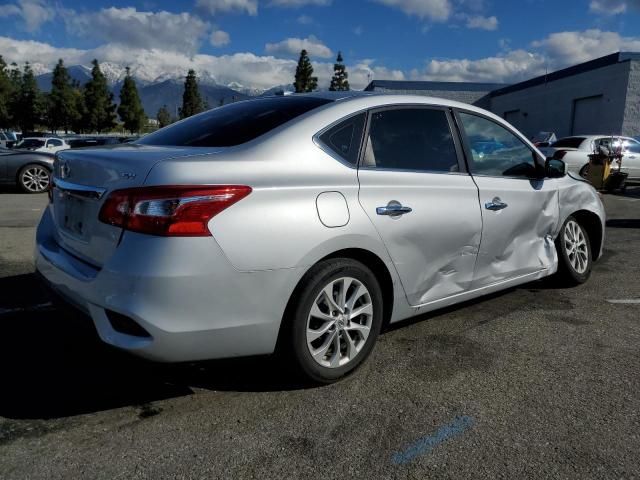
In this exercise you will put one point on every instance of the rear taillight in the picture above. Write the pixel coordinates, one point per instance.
(172, 211)
(559, 154)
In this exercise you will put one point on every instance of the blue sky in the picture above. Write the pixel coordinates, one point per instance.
(255, 42)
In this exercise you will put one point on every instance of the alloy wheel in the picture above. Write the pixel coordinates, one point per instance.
(35, 179)
(339, 322)
(575, 245)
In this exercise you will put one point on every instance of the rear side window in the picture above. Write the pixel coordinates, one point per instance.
(416, 139)
(54, 143)
(233, 124)
(345, 138)
(572, 142)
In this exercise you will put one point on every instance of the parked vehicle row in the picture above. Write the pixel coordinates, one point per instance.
(575, 151)
(302, 224)
(28, 170)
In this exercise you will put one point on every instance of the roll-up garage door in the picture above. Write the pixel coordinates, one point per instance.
(587, 113)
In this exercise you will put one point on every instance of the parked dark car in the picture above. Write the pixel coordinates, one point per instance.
(29, 170)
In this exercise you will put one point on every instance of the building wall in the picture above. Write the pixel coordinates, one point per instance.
(481, 99)
(550, 107)
(631, 123)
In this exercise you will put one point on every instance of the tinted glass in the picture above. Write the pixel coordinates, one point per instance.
(233, 124)
(31, 143)
(411, 139)
(55, 143)
(572, 142)
(345, 138)
(495, 150)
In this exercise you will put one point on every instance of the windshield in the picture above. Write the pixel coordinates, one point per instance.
(30, 143)
(233, 124)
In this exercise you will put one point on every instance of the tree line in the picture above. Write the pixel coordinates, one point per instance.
(70, 106)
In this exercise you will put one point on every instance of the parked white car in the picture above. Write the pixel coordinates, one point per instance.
(42, 144)
(575, 151)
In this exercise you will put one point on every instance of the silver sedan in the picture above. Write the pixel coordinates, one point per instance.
(304, 224)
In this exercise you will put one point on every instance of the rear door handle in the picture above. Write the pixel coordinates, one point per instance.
(495, 204)
(393, 210)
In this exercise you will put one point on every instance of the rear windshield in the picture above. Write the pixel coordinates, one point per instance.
(572, 142)
(233, 124)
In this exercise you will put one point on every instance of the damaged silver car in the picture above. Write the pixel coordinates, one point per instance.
(302, 224)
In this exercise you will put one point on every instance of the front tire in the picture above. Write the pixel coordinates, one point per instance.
(34, 178)
(334, 320)
(574, 253)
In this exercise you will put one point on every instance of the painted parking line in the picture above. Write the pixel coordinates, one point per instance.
(625, 301)
(424, 445)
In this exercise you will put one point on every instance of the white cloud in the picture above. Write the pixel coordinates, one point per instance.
(34, 13)
(216, 6)
(612, 7)
(298, 3)
(219, 38)
(135, 29)
(482, 23)
(436, 10)
(293, 46)
(304, 20)
(568, 48)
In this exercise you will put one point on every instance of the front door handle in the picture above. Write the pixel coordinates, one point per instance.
(495, 204)
(393, 210)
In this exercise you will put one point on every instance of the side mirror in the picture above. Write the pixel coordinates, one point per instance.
(554, 168)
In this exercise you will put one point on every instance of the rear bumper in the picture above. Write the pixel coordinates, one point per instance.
(182, 291)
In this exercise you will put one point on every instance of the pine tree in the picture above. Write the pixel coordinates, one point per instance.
(130, 109)
(6, 93)
(304, 80)
(339, 82)
(78, 121)
(61, 110)
(164, 117)
(191, 99)
(100, 109)
(26, 105)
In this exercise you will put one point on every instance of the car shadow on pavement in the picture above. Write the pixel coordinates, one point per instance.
(54, 365)
(624, 223)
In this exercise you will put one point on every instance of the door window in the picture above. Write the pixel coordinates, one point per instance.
(415, 139)
(495, 151)
(54, 143)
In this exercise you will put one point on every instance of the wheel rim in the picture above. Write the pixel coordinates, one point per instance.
(35, 179)
(339, 322)
(575, 244)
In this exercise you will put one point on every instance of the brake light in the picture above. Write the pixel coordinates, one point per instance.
(559, 155)
(172, 211)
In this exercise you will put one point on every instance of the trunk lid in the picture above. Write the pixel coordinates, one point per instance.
(82, 181)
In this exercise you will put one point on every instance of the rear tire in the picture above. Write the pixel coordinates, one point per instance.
(333, 320)
(34, 178)
(574, 253)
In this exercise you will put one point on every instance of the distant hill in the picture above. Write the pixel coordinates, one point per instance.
(169, 93)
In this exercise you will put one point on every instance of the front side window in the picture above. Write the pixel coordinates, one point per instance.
(233, 124)
(415, 139)
(345, 138)
(631, 146)
(495, 151)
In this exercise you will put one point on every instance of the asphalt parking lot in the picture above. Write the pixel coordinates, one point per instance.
(536, 382)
